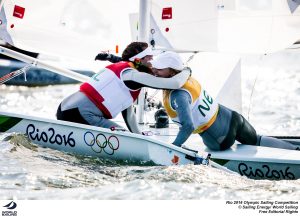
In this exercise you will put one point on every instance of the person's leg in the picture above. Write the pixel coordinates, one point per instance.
(95, 117)
(234, 125)
(69, 108)
(210, 141)
(78, 108)
(246, 134)
(239, 129)
(100, 121)
(276, 143)
(72, 115)
(89, 118)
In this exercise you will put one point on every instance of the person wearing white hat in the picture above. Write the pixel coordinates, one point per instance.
(114, 89)
(196, 112)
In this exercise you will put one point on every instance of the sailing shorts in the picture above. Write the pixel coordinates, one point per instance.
(72, 115)
(228, 127)
(240, 130)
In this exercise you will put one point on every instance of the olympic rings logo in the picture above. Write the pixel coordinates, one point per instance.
(101, 143)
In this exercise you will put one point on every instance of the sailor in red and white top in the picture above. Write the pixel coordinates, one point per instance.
(114, 89)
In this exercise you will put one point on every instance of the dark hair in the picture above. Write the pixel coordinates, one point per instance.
(175, 71)
(133, 49)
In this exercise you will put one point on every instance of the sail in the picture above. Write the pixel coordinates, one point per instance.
(69, 28)
(219, 73)
(231, 26)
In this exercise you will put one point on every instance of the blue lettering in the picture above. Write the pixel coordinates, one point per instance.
(52, 137)
(265, 171)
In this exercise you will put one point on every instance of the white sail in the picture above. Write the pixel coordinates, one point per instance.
(223, 26)
(69, 28)
(235, 26)
(179, 28)
(220, 75)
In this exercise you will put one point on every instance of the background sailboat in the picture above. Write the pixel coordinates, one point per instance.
(230, 26)
(220, 31)
(69, 33)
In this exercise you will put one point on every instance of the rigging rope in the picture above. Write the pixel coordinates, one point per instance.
(14, 74)
(253, 87)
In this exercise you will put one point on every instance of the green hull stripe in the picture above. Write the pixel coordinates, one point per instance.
(220, 161)
(8, 122)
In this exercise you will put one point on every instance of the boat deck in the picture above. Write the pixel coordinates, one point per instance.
(237, 152)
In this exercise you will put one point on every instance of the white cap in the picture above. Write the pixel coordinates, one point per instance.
(145, 52)
(168, 59)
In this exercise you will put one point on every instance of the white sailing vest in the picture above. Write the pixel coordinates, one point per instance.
(108, 92)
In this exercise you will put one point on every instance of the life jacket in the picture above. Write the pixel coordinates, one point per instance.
(107, 90)
(204, 108)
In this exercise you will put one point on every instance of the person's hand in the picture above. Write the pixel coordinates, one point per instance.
(101, 56)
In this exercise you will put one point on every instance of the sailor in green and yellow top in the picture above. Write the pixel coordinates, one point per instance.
(197, 112)
(203, 107)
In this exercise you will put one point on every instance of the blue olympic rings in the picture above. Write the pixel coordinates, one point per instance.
(100, 142)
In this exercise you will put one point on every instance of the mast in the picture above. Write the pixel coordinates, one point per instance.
(143, 36)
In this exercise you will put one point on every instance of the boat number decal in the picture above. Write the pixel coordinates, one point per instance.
(265, 172)
(101, 143)
(50, 136)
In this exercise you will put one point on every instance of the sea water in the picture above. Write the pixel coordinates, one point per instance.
(271, 100)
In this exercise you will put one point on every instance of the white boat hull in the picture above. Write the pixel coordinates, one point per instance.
(256, 162)
(94, 141)
(250, 161)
